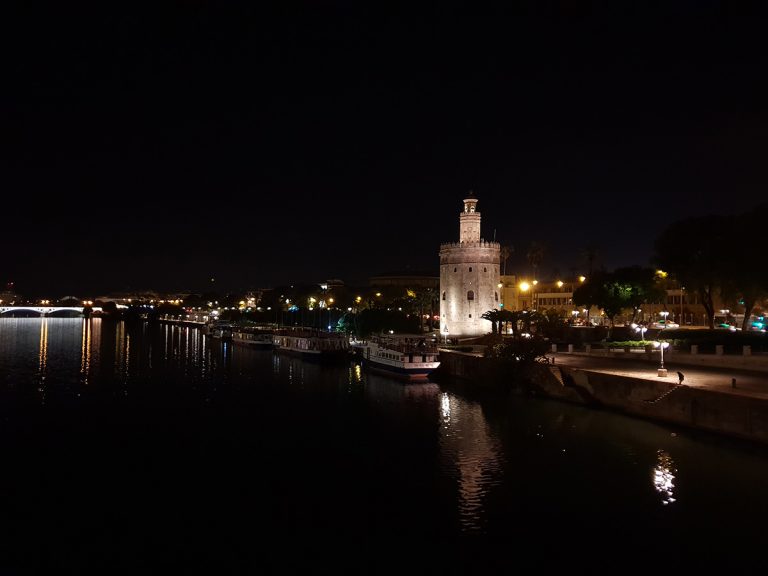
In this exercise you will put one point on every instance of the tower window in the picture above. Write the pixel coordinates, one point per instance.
(454, 269)
(470, 268)
(496, 295)
(470, 315)
(443, 295)
(485, 269)
(471, 295)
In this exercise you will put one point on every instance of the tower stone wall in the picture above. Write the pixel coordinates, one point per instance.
(469, 278)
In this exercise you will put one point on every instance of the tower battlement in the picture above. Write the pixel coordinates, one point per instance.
(478, 244)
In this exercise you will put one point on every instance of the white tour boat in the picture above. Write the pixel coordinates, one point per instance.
(409, 357)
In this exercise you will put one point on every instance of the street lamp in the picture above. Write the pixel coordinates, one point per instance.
(682, 297)
(662, 372)
(664, 314)
(639, 328)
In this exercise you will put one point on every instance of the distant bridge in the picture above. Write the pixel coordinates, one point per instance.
(45, 310)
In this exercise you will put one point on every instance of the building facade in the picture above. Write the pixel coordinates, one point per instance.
(469, 278)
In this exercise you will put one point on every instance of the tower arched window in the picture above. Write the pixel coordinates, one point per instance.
(443, 294)
(454, 269)
(496, 295)
(485, 269)
(471, 295)
(470, 268)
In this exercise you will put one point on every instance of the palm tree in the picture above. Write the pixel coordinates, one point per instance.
(505, 317)
(590, 253)
(493, 316)
(425, 300)
(505, 253)
(535, 255)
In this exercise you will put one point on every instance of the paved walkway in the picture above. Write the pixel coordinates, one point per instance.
(748, 382)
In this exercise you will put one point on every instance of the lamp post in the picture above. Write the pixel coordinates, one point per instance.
(639, 328)
(664, 314)
(682, 296)
(662, 372)
(523, 287)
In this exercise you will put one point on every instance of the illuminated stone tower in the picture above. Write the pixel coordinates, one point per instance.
(469, 278)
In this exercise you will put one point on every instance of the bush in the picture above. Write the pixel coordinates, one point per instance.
(519, 349)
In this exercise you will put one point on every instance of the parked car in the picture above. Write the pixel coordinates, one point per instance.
(661, 324)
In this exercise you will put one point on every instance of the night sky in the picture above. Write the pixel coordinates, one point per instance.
(158, 146)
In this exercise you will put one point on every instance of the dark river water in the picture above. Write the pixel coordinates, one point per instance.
(138, 449)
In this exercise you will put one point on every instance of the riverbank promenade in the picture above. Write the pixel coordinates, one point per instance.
(722, 393)
(736, 375)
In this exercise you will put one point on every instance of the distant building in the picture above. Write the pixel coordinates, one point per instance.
(469, 278)
(408, 279)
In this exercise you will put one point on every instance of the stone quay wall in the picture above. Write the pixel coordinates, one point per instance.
(733, 415)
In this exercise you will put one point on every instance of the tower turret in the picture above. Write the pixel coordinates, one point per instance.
(469, 220)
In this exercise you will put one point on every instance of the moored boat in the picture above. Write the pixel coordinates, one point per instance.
(218, 330)
(312, 344)
(408, 357)
(253, 337)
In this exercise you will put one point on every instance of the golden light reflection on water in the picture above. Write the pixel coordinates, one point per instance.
(445, 409)
(355, 376)
(664, 476)
(85, 350)
(43, 357)
(120, 363)
(474, 453)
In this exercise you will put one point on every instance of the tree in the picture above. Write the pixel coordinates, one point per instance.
(506, 317)
(504, 254)
(520, 350)
(621, 289)
(535, 255)
(590, 293)
(697, 252)
(746, 278)
(493, 317)
(590, 253)
(423, 301)
(377, 320)
(639, 286)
